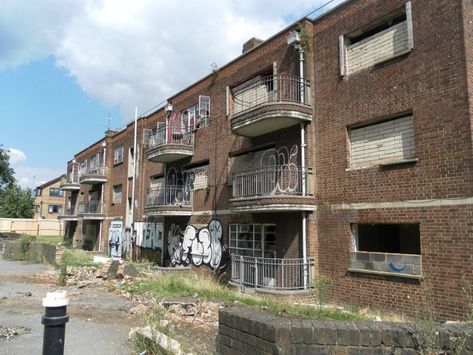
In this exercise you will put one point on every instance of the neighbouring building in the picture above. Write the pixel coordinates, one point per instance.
(49, 199)
(341, 146)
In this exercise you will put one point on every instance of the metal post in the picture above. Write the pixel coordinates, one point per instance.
(241, 273)
(54, 320)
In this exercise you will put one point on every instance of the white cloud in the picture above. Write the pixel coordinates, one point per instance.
(28, 176)
(16, 156)
(130, 53)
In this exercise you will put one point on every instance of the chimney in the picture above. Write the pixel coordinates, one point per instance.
(250, 44)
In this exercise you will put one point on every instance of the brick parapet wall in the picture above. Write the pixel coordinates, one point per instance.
(244, 331)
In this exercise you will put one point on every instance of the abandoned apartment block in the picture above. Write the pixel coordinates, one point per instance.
(341, 146)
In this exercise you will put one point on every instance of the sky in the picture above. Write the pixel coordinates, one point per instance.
(66, 66)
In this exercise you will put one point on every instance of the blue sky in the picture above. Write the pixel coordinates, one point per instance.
(65, 65)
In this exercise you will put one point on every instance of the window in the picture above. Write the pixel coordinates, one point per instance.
(387, 238)
(386, 249)
(54, 208)
(83, 167)
(384, 39)
(117, 194)
(37, 208)
(56, 192)
(118, 158)
(382, 143)
(95, 163)
(37, 192)
(253, 240)
(198, 115)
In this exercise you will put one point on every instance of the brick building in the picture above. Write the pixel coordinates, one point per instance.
(340, 146)
(48, 199)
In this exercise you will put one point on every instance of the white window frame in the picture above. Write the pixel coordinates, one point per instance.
(118, 154)
(117, 195)
(257, 245)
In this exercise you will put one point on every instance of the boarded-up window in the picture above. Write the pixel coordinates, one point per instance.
(200, 177)
(384, 39)
(383, 142)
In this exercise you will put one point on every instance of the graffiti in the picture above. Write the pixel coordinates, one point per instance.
(282, 165)
(180, 185)
(115, 239)
(198, 246)
(149, 235)
(395, 268)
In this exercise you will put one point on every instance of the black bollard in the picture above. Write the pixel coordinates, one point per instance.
(54, 320)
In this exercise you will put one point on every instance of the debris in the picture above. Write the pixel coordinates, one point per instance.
(82, 284)
(165, 342)
(28, 294)
(11, 332)
(140, 310)
(183, 309)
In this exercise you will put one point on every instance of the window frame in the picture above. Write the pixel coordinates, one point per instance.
(118, 156)
(257, 243)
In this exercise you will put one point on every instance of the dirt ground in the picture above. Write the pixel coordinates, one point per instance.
(100, 315)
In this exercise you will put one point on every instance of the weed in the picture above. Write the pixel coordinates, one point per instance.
(53, 239)
(76, 257)
(321, 286)
(206, 288)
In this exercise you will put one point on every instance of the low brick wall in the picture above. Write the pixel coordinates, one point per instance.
(243, 330)
(31, 251)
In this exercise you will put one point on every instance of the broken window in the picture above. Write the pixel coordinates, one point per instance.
(387, 238)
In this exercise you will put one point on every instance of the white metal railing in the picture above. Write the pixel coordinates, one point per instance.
(274, 180)
(169, 134)
(272, 88)
(271, 273)
(99, 170)
(168, 196)
(90, 207)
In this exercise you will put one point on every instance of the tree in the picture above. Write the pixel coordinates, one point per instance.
(16, 202)
(6, 172)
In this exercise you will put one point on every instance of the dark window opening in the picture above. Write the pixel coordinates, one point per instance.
(360, 35)
(389, 238)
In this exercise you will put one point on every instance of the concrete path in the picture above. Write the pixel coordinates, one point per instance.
(99, 320)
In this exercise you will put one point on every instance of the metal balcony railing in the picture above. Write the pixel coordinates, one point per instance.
(71, 211)
(273, 88)
(271, 273)
(169, 134)
(100, 170)
(90, 207)
(276, 180)
(168, 196)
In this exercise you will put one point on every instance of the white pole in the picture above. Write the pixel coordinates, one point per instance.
(134, 184)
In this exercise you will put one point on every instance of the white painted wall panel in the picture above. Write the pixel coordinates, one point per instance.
(377, 48)
(382, 142)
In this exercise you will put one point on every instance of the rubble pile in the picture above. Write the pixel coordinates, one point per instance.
(11, 332)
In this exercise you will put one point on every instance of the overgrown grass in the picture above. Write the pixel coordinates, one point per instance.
(169, 286)
(49, 239)
(76, 257)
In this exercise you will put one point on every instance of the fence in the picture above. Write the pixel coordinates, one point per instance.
(34, 227)
(272, 273)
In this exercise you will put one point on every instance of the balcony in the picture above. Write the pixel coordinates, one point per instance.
(270, 274)
(93, 210)
(69, 215)
(169, 143)
(272, 189)
(169, 201)
(269, 104)
(94, 176)
(70, 183)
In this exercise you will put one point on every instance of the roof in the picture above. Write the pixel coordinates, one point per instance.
(50, 182)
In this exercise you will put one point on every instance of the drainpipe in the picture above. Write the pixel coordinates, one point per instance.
(133, 186)
(303, 168)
